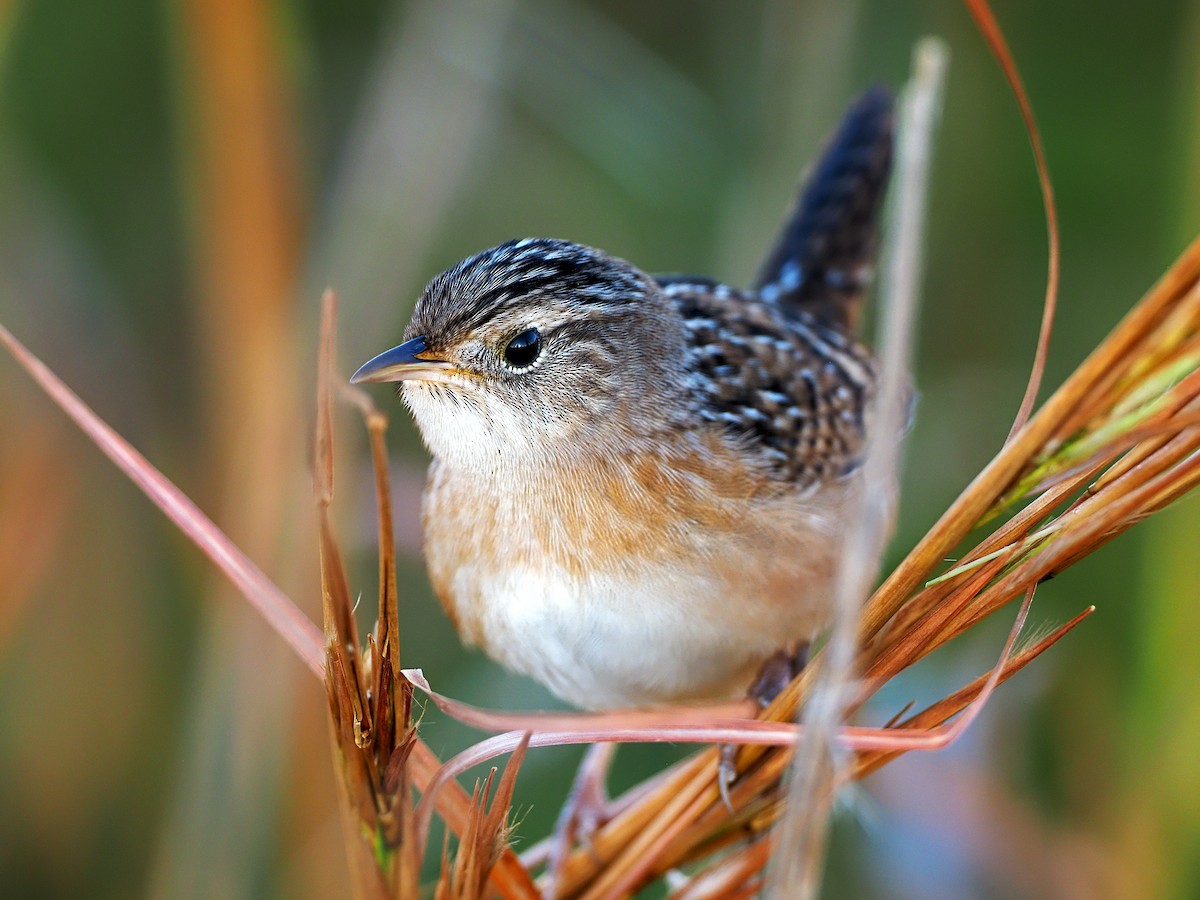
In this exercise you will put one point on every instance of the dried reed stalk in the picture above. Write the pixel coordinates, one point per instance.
(374, 740)
(802, 834)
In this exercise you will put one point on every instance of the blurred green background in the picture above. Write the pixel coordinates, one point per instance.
(178, 182)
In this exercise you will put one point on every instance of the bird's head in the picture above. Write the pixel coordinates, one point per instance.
(537, 348)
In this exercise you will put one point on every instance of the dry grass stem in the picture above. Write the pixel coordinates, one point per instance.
(802, 833)
(380, 758)
(284, 616)
(981, 12)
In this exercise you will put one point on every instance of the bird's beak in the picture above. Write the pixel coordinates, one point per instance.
(403, 363)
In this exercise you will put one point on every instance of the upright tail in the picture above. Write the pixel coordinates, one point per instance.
(825, 257)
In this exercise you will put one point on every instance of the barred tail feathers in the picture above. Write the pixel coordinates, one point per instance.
(824, 259)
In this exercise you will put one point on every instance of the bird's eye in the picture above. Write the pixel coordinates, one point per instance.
(522, 351)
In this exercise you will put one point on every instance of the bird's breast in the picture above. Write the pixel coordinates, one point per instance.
(628, 581)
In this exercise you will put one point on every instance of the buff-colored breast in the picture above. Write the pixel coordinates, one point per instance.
(647, 578)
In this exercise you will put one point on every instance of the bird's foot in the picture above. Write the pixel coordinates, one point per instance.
(584, 812)
(776, 674)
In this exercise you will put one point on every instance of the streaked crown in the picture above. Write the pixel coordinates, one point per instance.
(523, 349)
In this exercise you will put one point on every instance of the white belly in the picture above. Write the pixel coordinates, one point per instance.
(609, 642)
(610, 609)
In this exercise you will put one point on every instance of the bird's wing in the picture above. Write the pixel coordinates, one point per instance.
(786, 385)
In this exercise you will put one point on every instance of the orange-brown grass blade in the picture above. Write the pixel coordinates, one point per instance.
(485, 837)
(1119, 353)
(700, 715)
(737, 875)
(981, 12)
(377, 814)
(925, 730)
(508, 877)
(375, 746)
(38, 485)
(679, 725)
(935, 715)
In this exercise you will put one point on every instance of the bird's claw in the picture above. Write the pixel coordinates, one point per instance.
(727, 773)
(585, 811)
(776, 673)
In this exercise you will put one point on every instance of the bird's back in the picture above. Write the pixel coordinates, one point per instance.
(788, 387)
(778, 367)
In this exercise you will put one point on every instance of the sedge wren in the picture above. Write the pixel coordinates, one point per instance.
(638, 481)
